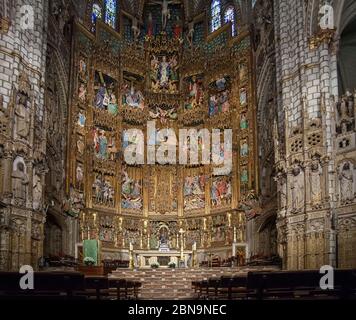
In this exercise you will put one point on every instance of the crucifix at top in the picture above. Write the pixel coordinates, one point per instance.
(166, 12)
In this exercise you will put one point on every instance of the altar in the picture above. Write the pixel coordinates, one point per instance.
(145, 258)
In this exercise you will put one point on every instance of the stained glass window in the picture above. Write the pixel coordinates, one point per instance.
(110, 12)
(230, 17)
(215, 15)
(96, 14)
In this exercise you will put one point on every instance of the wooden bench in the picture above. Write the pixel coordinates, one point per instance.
(119, 285)
(96, 286)
(232, 287)
(299, 285)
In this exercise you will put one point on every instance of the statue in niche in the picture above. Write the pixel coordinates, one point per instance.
(346, 183)
(315, 181)
(82, 69)
(244, 148)
(164, 71)
(163, 237)
(190, 35)
(344, 109)
(100, 144)
(79, 176)
(150, 25)
(297, 188)
(166, 12)
(135, 29)
(351, 102)
(177, 29)
(37, 192)
(242, 71)
(282, 190)
(243, 122)
(100, 97)
(196, 93)
(22, 115)
(112, 103)
(82, 94)
(19, 181)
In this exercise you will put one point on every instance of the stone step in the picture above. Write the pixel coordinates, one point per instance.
(174, 284)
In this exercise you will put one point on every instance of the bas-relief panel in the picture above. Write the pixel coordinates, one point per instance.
(163, 190)
(219, 96)
(164, 75)
(131, 191)
(104, 144)
(105, 89)
(132, 91)
(194, 92)
(221, 191)
(104, 190)
(194, 192)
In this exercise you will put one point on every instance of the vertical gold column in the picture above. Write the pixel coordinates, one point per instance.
(180, 183)
(208, 177)
(145, 190)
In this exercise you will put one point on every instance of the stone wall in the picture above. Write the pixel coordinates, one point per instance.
(314, 182)
(34, 85)
(22, 68)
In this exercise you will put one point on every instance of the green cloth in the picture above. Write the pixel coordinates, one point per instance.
(90, 249)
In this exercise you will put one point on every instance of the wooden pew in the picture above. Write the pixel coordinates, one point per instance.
(97, 286)
(299, 285)
(213, 288)
(234, 286)
(119, 285)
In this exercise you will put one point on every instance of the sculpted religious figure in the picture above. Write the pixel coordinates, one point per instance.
(315, 181)
(282, 189)
(190, 35)
(150, 31)
(297, 187)
(166, 12)
(22, 115)
(135, 28)
(346, 182)
(37, 191)
(19, 180)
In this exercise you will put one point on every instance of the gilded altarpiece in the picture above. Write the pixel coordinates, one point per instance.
(123, 86)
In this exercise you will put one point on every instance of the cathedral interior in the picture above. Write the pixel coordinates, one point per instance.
(109, 110)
